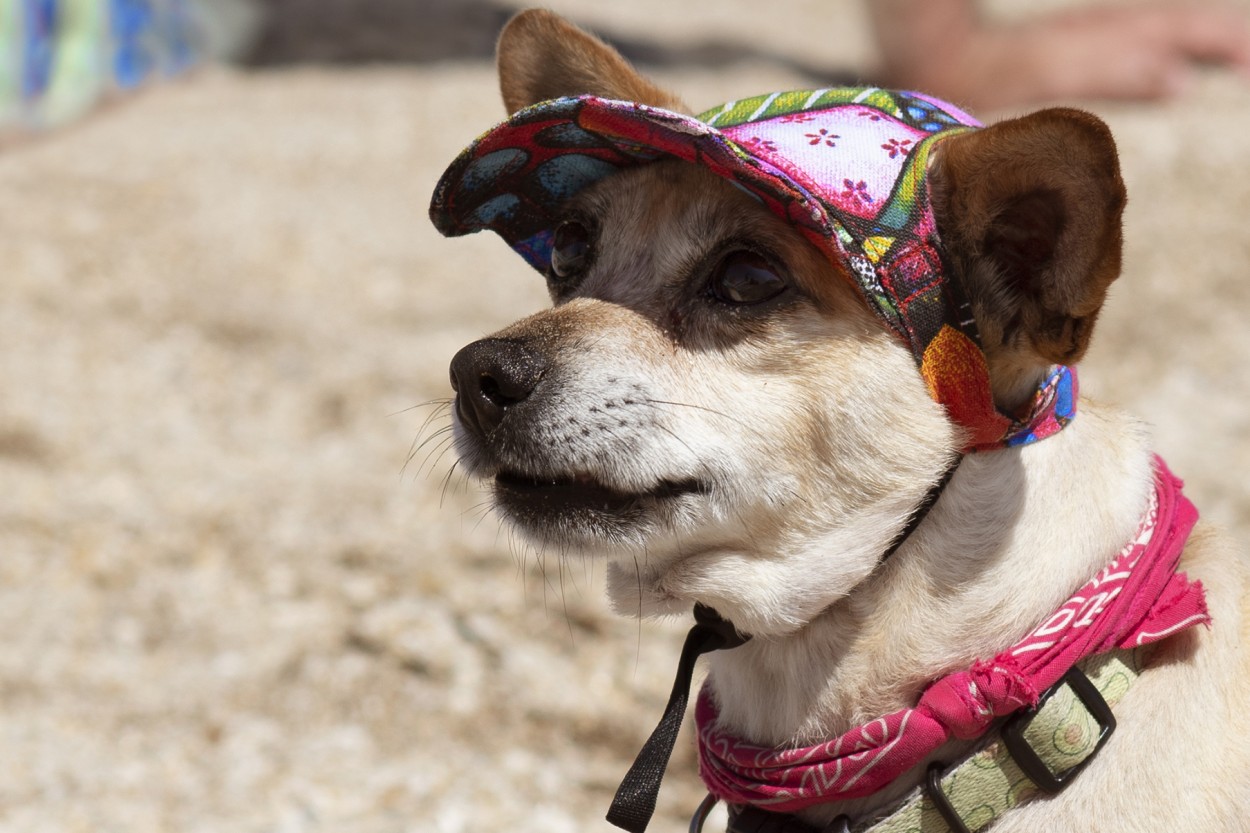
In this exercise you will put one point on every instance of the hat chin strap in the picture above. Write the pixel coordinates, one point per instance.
(634, 803)
(922, 509)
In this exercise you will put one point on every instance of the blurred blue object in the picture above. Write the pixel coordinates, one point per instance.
(60, 57)
(133, 25)
(39, 22)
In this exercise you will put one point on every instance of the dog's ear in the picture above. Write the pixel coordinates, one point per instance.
(541, 56)
(1029, 210)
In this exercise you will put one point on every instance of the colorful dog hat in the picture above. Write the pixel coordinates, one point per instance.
(846, 167)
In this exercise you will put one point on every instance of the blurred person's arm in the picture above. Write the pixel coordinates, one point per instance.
(1136, 52)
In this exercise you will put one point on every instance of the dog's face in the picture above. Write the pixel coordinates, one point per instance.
(710, 405)
(706, 395)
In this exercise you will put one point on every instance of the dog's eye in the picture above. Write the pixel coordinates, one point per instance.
(744, 277)
(570, 249)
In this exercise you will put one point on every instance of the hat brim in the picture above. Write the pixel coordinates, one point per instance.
(515, 179)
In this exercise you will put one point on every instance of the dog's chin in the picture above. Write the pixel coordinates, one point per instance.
(578, 510)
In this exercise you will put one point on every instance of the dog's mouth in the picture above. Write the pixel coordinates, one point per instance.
(582, 501)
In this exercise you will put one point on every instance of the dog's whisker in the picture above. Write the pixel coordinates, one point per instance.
(437, 403)
(419, 443)
(673, 434)
(564, 603)
(432, 437)
(684, 405)
(438, 456)
(541, 564)
(434, 455)
(482, 507)
(438, 413)
(446, 483)
(541, 559)
(415, 447)
(511, 538)
(517, 553)
(638, 644)
(465, 481)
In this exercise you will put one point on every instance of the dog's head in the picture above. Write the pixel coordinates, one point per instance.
(711, 403)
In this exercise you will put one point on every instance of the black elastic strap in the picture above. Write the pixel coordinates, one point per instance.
(922, 509)
(634, 803)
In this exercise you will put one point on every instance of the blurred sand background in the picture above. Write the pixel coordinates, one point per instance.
(226, 603)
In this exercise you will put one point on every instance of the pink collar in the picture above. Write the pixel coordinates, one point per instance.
(1137, 599)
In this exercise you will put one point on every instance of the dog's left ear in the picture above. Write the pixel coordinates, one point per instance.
(1029, 211)
(541, 55)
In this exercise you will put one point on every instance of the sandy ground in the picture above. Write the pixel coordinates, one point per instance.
(229, 605)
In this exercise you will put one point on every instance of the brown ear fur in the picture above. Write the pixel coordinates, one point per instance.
(1029, 210)
(542, 56)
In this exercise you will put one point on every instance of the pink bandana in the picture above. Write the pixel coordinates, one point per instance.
(1137, 599)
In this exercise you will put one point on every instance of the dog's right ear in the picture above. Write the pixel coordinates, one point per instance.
(542, 56)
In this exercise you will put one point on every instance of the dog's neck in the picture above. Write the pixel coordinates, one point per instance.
(998, 553)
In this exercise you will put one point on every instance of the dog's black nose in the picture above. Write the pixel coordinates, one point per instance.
(490, 376)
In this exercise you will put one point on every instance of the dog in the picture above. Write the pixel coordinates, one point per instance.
(741, 399)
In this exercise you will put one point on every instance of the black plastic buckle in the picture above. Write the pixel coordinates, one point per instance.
(1025, 756)
(933, 786)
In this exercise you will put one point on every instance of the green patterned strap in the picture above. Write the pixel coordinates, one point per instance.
(989, 782)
